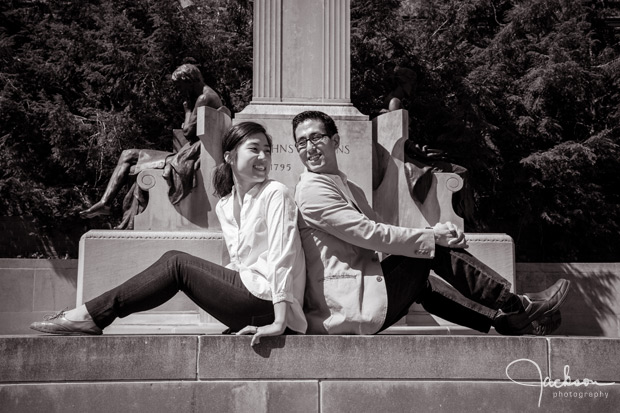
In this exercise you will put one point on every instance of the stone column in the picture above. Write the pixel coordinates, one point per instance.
(302, 62)
(267, 64)
(302, 52)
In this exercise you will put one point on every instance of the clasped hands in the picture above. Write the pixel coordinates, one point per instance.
(448, 235)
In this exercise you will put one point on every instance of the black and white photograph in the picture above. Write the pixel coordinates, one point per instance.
(321, 206)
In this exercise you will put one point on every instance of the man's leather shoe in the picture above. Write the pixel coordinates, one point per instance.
(58, 324)
(540, 308)
(514, 323)
(544, 295)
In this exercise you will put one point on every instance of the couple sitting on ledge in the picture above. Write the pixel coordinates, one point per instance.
(336, 283)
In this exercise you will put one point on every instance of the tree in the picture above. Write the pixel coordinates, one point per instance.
(525, 95)
(81, 81)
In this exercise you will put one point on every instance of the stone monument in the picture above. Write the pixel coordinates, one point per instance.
(301, 62)
(110, 257)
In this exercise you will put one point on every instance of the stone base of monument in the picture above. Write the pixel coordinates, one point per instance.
(108, 258)
(395, 204)
(354, 154)
(195, 373)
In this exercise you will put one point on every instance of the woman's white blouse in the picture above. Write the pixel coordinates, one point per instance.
(266, 248)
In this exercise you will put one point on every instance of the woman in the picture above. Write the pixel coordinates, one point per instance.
(260, 292)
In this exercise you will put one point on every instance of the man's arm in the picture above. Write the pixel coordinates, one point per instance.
(323, 207)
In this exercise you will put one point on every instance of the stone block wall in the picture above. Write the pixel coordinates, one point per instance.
(31, 288)
(306, 374)
(593, 304)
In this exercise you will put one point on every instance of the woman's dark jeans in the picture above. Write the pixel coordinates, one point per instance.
(217, 290)
(466, 291)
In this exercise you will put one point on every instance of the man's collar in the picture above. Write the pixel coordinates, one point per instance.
(340, 175)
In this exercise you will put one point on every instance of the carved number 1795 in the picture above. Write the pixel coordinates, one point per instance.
(281, 167)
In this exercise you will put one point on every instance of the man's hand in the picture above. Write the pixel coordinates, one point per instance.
(449, 236)
(274, 329)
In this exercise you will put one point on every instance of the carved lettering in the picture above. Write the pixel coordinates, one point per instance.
(344, 150)
(281, 167)
(290, 148)
(277, 148)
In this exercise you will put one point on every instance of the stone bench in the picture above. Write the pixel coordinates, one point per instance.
(32, 288)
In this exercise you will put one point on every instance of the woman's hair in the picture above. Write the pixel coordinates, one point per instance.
(223, 176)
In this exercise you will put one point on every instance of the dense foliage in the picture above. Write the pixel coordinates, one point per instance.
(81, 81)
(525, 94)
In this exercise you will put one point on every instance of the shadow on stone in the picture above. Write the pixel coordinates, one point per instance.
(267, 344)
(591, 308)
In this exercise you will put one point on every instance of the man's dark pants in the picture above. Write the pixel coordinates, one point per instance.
(465, 291)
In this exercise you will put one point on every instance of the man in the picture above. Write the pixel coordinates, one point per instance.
(178, 168)
(349, 291)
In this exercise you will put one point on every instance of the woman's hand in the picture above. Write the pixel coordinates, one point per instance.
(274, 329)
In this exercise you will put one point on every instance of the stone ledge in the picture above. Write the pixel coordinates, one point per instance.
(152, 235)
(47, 358)
(369, 357)
(32, 263)
(488, 237)
(189, 373)
(169, 396)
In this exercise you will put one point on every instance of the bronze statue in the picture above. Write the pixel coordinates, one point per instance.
(178, 167)
(403, 86)
(421, 162)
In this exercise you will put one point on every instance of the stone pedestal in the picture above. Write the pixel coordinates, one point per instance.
(108, 258)
(197, 210)
(393, 201)
(392, 198)
(302, 62)
(354, 154)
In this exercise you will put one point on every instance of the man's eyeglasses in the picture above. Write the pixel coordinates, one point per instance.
(315, 138)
